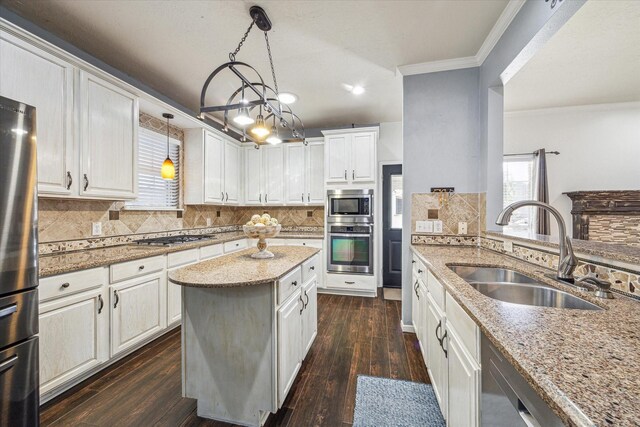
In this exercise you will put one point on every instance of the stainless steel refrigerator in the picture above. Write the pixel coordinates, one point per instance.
(19, 388)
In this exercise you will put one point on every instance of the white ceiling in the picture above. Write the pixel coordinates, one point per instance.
(593, 59)
(317, 45)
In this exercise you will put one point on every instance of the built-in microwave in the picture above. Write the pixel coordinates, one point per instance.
(350, 206)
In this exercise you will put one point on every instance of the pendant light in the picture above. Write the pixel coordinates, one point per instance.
(274, 138)
(168, 170)
(260, 130)
(243, 118)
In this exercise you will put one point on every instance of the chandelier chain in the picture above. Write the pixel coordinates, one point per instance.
(273, 71)
(232, 56)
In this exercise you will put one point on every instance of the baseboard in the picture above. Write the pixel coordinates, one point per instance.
(407, 328)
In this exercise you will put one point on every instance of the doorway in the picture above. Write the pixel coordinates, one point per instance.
(392, 226)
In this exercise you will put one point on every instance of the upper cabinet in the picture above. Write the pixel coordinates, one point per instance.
(86, 127)
(304, 167)
(212, 167)
(264, 175)
(351, 156)
(108, 139)
(37, 78)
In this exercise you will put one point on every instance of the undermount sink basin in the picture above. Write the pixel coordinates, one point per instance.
(510, 286)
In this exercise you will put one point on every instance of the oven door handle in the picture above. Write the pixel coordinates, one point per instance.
(350, 235)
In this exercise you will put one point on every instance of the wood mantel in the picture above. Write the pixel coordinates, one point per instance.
(591, 203)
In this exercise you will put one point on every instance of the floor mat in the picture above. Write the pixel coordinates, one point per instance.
(393, 294)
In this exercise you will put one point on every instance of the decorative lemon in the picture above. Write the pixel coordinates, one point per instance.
(259, 224)
(266, 216)
(255, 218)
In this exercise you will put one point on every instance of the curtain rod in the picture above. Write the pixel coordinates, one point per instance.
(533, 153)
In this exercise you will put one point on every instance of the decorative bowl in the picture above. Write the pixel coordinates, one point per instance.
(261, 233)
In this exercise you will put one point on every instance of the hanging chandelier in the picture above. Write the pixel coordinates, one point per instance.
(255, 106)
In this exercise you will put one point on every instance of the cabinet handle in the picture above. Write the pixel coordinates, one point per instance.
(313, 267)
(69, 180)
(446, 352)
(302, 197)
(8, 311)
(260, 197)
(349, 283)
(115, 294)
(222, 196)
(353, 174)
(302, 301)
(227, 199)
(86, 182)
(415, 289)
(141, 268)
(345, 174)
(266, 199)
(413, 261)
(101, 301)
(308, 197)
(307, 297)
(419, 271)
(9, 363)
(437, 336)
(294, 283)
(65, 285)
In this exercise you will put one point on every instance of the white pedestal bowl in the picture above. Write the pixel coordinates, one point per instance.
(261, 233)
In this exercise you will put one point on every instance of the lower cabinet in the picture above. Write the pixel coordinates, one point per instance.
(463, 385)
(289, 343)
(74, 336)
(309, 315)
(435, 357)
(138, 310)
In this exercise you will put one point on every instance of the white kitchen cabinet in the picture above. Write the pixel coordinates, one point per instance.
(422, 314)
(138, 310)
(108, 139)
(289, 343)
(315, 173)
(350, 156)
(273, 164)
(74, 336)
(309, 315)
(42, 80)
(463, 376)
(212, 168)
(176, 260)
(435, 357)
(253, 176)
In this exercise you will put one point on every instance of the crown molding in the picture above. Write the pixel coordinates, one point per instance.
(504, 20)
(610, 106)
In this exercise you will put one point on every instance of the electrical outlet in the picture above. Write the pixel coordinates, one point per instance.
(507, 245)
(209, 222)
(421, 226)
(437, 226)
(429, 228)
(96, 228)
(462, 228)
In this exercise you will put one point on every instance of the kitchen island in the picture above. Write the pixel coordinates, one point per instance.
(247, 325)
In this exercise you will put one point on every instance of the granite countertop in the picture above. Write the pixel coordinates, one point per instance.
(239, 269)
(611, 251)
(584, 364)
(54, 264)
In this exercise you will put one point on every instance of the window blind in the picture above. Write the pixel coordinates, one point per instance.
(518, 184)
(153, 191)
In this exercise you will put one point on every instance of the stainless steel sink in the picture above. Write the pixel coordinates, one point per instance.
(510, 286)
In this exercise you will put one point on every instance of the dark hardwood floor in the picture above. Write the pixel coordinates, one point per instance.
(355, 336)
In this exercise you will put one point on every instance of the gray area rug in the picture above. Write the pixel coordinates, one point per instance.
(388, 402)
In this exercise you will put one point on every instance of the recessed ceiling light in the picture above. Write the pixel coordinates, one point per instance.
(287, 97)
(357, 90)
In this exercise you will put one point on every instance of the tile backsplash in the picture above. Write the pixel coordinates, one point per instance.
(450, 209)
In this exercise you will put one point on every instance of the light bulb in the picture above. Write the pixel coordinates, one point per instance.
(243, 117)
(260, 130)
(168, 170)
(274, 138)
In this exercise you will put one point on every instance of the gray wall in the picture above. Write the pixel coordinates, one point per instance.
(441, 130)
(453, 120)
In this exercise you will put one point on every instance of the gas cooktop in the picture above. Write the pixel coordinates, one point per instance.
(175, 240)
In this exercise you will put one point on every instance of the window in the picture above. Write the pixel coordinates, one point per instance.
(155, 193)
(519, 184)
(396, 201)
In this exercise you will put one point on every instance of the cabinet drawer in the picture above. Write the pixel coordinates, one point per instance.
(208, 252)
(310, 268)
(177, 259)
(312, 243)
(436, 290)
(139, 267)
(357, 282)
(235, 245)
(71, 283)
(18, 314)
(288, 284)
(465, 328)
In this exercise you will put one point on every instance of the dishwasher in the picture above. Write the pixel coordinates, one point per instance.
(507, 399)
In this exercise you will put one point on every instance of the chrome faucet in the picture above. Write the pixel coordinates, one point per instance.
(567, 260)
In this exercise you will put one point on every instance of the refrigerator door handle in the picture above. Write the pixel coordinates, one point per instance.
(7, 311)
(7, 364)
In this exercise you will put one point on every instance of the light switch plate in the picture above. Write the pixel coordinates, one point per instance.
(208, 222)
(508, 246)
(437, 226)
(96, 228)
(462, 228)
(429, 228)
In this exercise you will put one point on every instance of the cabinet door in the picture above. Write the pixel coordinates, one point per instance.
(296, 173)
(422, 313)
(138, 311)
(253, 180)
(109, 140)
(213, 168)
(415, 315)
(315, 177)
(463, 385)
(231, 172)
(273, 163)
(74, 337)
(363, 157)
(309, 315)
(174, 302)
(289, 344)
(436, 361)
(32, 76)
(337, 157)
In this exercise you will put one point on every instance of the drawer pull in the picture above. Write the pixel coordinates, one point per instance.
(101, 301)
(8, 311)
(141, 268)
(294, 283)
(413, 261)
(65, 285)
(419, 271)
(7, 364)
(115, 294)
(313, 267)
(349, 283)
